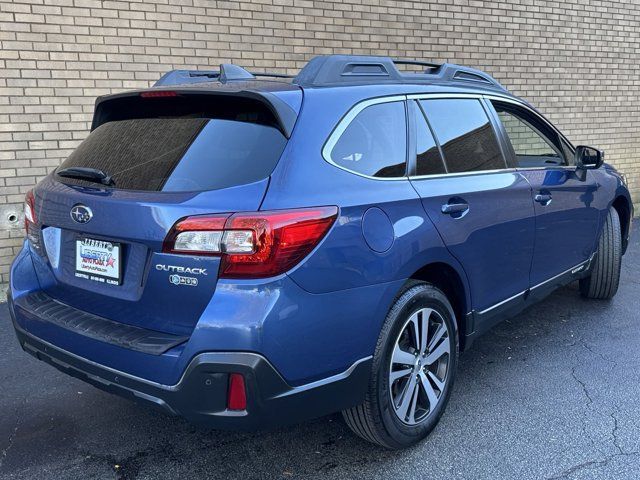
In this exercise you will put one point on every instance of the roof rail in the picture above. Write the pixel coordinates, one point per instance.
(334, 70)
(228, 72)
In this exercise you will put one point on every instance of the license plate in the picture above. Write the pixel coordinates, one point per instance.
(98, 260)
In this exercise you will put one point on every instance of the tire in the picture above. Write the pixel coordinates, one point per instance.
(378, 419)
(603, 281)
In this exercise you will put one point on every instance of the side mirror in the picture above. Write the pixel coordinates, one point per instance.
(588, 157)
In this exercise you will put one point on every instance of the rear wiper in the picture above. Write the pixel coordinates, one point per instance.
(89, 174)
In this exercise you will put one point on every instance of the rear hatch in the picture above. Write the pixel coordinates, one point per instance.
(98, 240)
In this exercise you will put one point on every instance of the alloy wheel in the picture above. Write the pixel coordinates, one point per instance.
(419, 366)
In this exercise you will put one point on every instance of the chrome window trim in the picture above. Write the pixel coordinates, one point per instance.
(359, 107)
(572, 168)
(346, 121)
(426, 96)
(463, 174)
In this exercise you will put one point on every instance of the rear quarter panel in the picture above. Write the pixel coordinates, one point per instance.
(303, 178)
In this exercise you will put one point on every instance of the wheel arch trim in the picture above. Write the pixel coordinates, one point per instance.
(624, 208)
(452, 280)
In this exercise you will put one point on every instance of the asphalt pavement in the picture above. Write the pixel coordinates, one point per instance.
(553, 393)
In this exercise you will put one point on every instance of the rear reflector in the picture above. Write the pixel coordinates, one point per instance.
(253, 245)
(237, 395)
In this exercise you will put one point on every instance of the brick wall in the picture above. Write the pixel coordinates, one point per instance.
(577, 60)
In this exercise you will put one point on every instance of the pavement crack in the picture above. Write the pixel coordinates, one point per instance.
(590, 463)
(614, 434)
(599, 354)
(587, 408)
(12, 437)
(5, 451)
(585, 391)
(576, 468)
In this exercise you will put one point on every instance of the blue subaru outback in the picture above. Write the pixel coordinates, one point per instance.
(250, 250)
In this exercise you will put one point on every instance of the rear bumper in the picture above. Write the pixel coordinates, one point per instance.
(304, 368)
(201, 394)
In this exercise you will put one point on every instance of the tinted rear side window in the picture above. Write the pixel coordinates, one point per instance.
(465, 134)
(179, 154)
(375, 142)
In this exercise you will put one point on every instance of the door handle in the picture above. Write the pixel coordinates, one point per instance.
(543, 198)
(455, 209)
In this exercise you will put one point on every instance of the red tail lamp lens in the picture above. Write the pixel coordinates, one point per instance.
(282, 240)
(237, 396)
(256, 244)
(29, 210)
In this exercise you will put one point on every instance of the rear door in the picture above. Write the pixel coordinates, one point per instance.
(482, 209)
(101, 247)
(566, 219)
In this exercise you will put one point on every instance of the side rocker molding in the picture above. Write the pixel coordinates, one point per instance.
(486, 319)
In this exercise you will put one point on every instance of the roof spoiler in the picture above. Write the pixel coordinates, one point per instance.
(112, 107)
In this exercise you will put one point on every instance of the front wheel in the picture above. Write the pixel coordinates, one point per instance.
(414, 367)
(604, 279)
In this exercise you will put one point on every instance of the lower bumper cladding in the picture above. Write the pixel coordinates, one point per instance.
(202, 394)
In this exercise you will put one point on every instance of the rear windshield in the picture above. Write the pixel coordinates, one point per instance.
(180, 153)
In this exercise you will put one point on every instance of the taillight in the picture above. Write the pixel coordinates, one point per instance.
(31, 221)
(199, 235)
(29, 210)
(253, 245)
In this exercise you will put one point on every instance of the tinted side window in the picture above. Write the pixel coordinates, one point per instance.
(465, 134)
(428, 159)
(533, 143)
(375, 142)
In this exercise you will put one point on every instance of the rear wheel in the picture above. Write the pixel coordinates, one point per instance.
(603, 281)
(414, 367)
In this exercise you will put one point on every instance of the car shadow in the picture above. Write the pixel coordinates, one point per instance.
(129, 439)
(53, 423)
